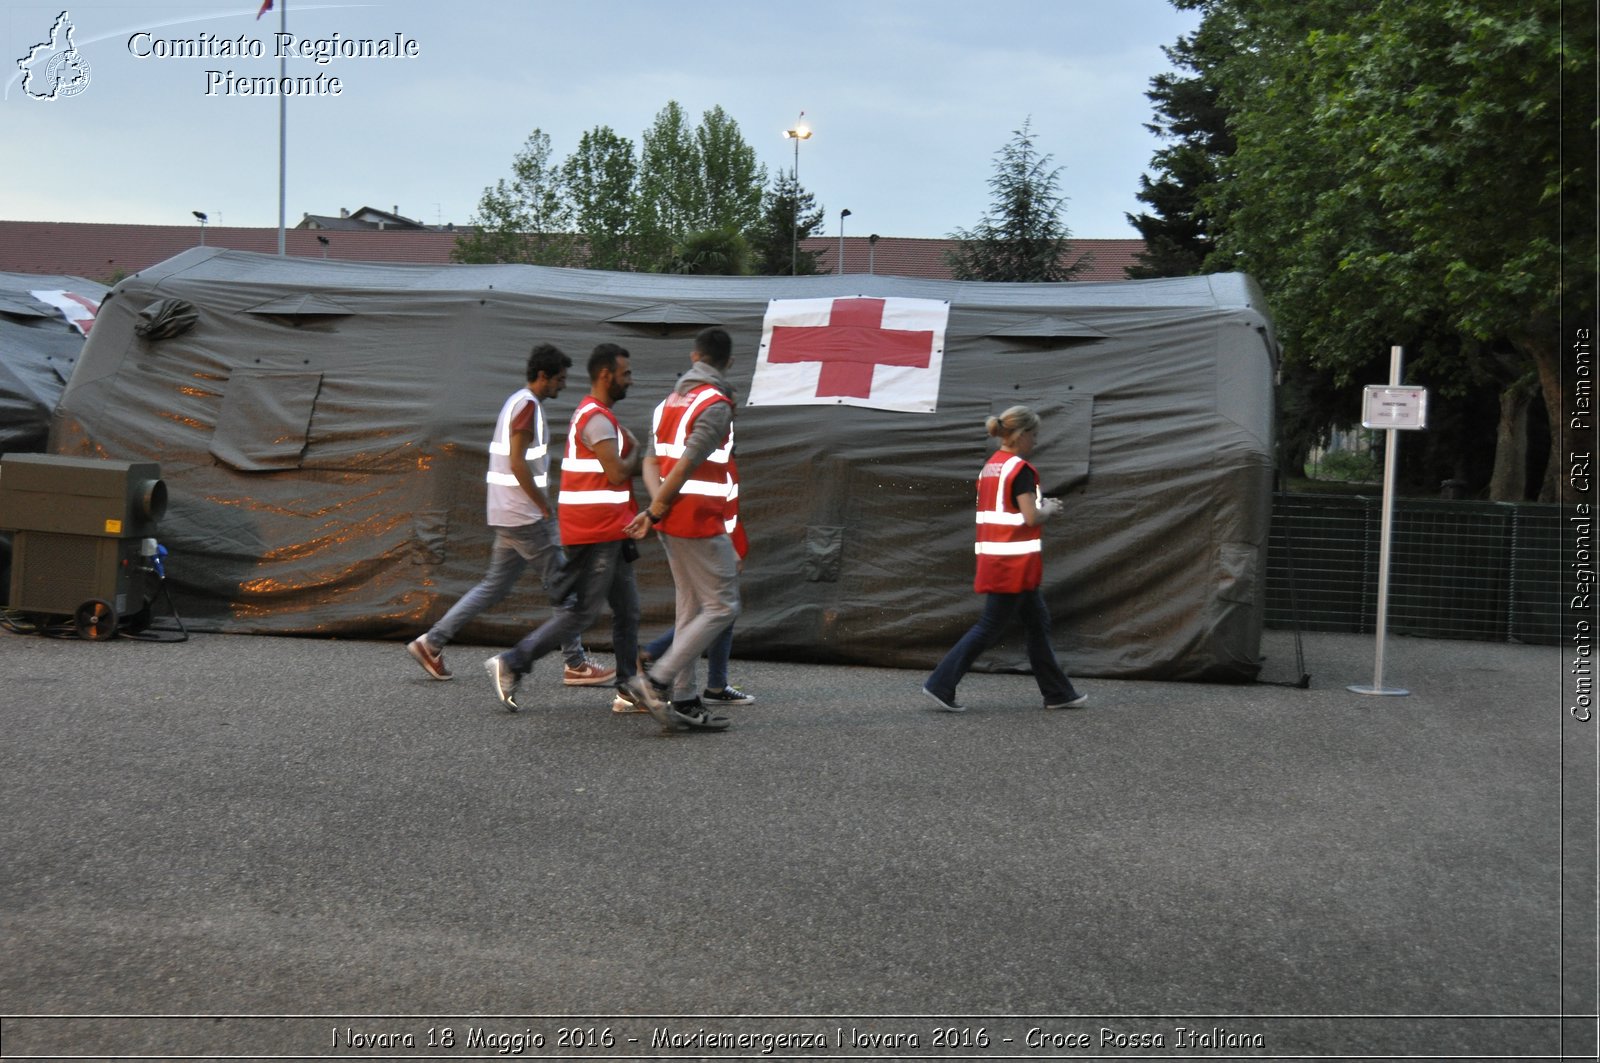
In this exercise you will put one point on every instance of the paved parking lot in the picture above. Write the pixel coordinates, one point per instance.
(284, 835)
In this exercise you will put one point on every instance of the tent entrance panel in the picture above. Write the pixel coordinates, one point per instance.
(265, 420)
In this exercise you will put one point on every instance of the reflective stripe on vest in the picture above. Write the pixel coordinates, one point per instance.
(698, 512)
(508, 504)
(1007, 548)
(500, 446)
(592, 509)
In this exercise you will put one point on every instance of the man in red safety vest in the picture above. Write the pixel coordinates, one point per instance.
(595, 505)
(690, 472)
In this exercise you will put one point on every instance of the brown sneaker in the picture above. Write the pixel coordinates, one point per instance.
(432, 660)
(588, 674)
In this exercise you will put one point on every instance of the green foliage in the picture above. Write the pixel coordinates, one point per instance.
(1396, 176)
(606, 208)
(1395, 168)
(1351, 466)
(599, 179)
(526, 219)
(1177, 230)
(711, 252)
(1022, 236)
(669, 187)
(731, 180)
(774, 241)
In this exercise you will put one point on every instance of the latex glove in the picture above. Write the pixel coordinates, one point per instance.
(1049, 507)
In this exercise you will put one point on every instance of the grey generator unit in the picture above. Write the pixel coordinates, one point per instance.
(85, 538)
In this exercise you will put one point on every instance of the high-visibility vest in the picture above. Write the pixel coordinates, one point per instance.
(508, 505)
(700, 510)
(592, 508)
(1009, 558)
(741, 541)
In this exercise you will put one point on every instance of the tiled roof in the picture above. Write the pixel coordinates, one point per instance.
(1108, 260)
(106, 252)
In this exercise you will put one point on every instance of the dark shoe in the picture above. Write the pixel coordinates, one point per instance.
(728, 695)
(505, 681)
(695, 716)
(947, 704)
(1077, 701)
(432, 660)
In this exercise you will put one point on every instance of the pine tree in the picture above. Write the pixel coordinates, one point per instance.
(776, 238)
(1022, 237)
(1190, 116)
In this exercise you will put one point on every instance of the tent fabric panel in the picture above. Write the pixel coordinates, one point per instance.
(860, 520)
(265, 420)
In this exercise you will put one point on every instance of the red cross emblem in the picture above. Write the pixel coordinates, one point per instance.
(850, 346)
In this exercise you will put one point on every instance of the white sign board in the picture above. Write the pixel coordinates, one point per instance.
(1386, 406)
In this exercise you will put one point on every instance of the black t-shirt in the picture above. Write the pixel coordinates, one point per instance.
(1026, 482)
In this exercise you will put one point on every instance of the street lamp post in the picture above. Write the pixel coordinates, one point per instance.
(843, 214)
(872, 251)
(797, 134)
(200, 216)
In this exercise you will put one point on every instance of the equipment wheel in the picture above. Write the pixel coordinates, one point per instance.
(95, 620)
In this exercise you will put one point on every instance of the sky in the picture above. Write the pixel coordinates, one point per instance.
(908, 102)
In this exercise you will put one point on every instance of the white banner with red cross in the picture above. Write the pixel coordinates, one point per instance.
(886, 353)
(79, 310)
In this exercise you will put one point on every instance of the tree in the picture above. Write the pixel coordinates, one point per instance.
(600, 179)
(1398, 178)
(731, 180)
(711, 252)
(1177, 232)
(525, 220)
(776, 236)
(1022, 237)
(669, 187)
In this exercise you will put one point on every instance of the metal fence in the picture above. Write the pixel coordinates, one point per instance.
(1471, 570)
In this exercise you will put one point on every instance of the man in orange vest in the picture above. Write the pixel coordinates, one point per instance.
(518, 510)
(690, 472)
(595, 505)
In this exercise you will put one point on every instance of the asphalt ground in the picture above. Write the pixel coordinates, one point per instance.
(247, 846)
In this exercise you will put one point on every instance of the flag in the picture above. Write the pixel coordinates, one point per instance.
(79, 310)
(886, 354)
(265, 7)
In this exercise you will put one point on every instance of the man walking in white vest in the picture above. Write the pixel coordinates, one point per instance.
(519, 511)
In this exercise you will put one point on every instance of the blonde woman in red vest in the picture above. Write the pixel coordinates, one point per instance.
(1010, 566)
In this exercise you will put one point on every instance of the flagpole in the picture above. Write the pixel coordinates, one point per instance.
(283, 125)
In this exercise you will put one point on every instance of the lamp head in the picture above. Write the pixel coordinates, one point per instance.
(200, 214)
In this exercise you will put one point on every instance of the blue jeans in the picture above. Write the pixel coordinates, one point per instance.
(1000, 611)
(595, 575)
(717, 655)
(514, 550)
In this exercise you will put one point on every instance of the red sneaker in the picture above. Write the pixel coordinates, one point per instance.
(432, 660)
(588, 674)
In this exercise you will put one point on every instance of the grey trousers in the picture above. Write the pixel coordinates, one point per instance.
(515, 550)
(705, 574)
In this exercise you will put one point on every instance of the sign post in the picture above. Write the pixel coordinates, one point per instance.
(1394, 409)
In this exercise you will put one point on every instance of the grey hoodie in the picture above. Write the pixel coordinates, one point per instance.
(711, 427)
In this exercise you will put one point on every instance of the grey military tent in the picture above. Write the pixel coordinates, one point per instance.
(38, 348)
(322, 428)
